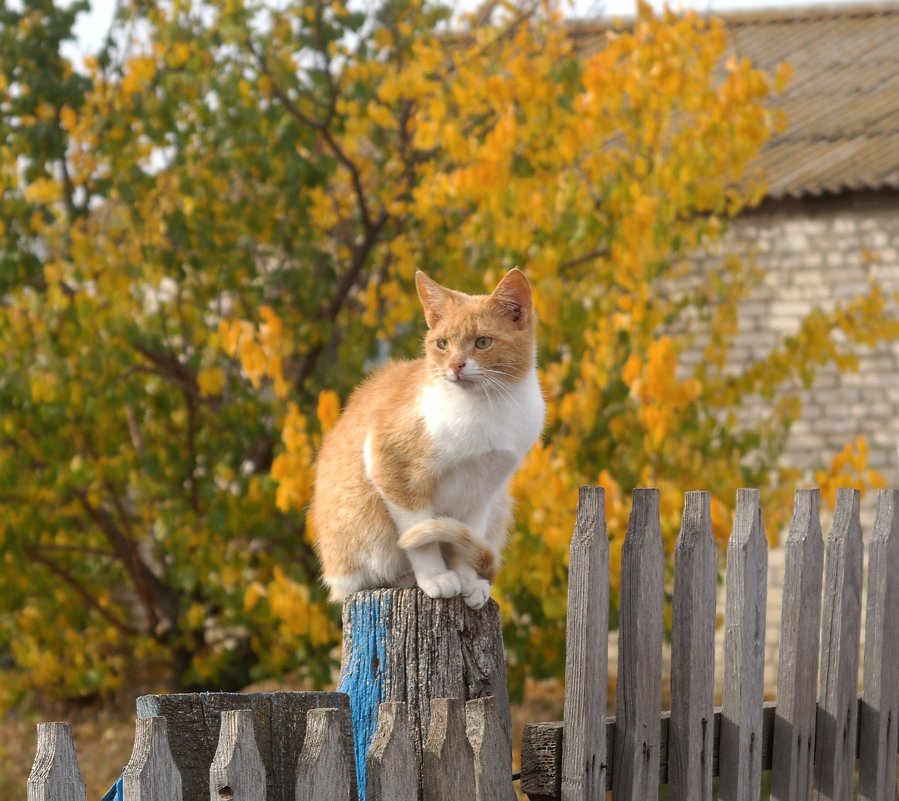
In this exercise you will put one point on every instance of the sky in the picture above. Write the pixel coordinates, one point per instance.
(92, 26)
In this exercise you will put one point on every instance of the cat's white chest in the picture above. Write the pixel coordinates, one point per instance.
(468, 425)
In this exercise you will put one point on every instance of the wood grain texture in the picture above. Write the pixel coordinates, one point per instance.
(836, 725)
(401, 645)
(691, 726)
(639, 697)
(55, 775)
(279, 721)
(879, 711)
(797, 675)
(541, 760)
(326, 770)
(583, 761)
(492, 758)
(151, 773)
(448, 762)
(237, 771)
(744, 654)
(391, 766)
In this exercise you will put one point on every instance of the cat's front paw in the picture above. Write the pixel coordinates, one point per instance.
(443, 585)
(476, 593)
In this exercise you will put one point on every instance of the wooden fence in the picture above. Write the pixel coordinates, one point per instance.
(812, 738)
(465, 758)
(392, 736)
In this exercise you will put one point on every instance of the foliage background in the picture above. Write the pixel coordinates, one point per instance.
(208, 235)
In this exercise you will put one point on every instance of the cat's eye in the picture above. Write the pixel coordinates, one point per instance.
(483, 342)
(442, 344)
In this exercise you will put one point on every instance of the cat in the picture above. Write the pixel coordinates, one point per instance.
(411, 483)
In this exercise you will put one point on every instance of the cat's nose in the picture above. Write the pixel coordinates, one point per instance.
(458, 367)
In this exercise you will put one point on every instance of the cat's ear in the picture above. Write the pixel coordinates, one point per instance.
(512, 296)
(433, 297)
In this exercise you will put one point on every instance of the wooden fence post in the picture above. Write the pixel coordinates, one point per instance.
(635, 773)
(692, 723)
(151, 773)
(740, 761)
(237, 772)
(797, 674)
(835, 733)
(326, 770)
(492, 759)
(401, 645)
(279, 725)
(448, 759)
(583, 760)
(391, 767)
(55, 775)
(880, 701)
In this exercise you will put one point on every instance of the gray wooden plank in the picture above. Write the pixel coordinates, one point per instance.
(586, 662)
(541, 760)
(193, 721)
(691, 727)
(797, 675)
(237, 771)
(492, 756)
(391, 765)
(448, 763)
(55, 775)
(744, 654)
(639, 698)
(879, 711)
(151, 773)
(326, 770)
(401, 645)
(836, 724)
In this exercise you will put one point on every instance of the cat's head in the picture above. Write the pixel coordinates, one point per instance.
(479, 340)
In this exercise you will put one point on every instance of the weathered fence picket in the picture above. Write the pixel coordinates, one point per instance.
(448, 759)
(635, 773)
(835, 733)
(55, 775)
(455, 746)
(492, 758)
(740, 751)
(326, 770)
(797, 676)
(391, 769)
(237, 771)
(879, 709)
(151, 774)
(583, 762)
(691, 726)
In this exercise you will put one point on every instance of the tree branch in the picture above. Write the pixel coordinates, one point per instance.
(60, 572)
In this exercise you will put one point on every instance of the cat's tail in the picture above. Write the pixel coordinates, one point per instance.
(452, 532)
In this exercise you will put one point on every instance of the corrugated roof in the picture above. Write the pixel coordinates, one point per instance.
(842, 104)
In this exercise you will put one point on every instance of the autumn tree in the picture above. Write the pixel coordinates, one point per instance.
(209, 236)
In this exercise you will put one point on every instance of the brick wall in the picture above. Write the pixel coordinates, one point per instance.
(819, 253)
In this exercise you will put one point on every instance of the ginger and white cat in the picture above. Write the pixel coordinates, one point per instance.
(411, 483)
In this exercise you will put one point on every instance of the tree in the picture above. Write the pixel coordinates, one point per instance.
(212, 234)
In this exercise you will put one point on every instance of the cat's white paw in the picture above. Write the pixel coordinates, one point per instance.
(443, 585)
(476, 593)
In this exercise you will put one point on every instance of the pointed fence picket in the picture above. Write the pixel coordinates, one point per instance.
(300, 746)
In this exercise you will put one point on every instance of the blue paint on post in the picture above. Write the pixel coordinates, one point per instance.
(363, 676)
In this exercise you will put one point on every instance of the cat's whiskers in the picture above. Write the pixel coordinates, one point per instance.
(501, 389)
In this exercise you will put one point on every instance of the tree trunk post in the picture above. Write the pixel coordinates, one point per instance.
(401, 645)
